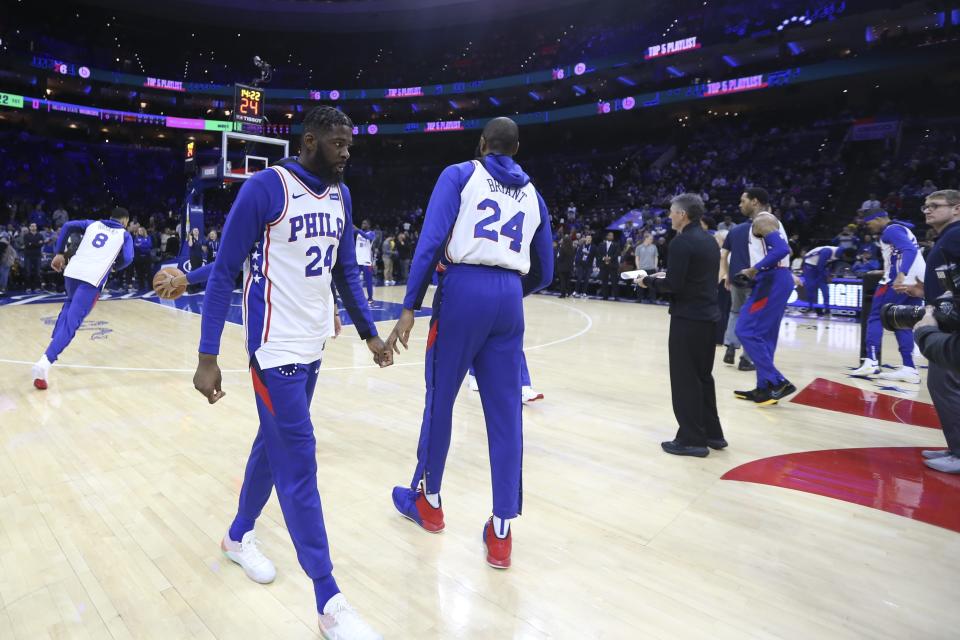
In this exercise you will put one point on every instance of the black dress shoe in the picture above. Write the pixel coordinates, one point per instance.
(746, 365)
(729, 355)
(717, 444)
(679, 449)
(782, 390)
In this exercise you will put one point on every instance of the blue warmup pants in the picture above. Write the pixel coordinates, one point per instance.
(524, 371)
(477, 318)
(758, 326)
(366, 270)
(812, 283)
(886, 294)
(284, 456)
(81, 298)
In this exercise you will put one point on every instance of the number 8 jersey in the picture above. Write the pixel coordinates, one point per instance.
(97, 252)
(496, 223)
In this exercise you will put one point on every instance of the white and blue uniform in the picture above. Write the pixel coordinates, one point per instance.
(365, 259)
(816, 265)
(105, 245)
(758, 326)
(286, 230)
(491, 227)
(901, 254)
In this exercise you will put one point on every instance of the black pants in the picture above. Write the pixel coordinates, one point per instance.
(564, 283)
(583, 279)
(143, 265)
(944, 387)
(609, 275)
(692, 348)
(195, 263)
(31, 271)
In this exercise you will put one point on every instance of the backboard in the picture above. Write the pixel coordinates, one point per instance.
(245, 154)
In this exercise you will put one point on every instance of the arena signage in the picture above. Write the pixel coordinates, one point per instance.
(160, 83)
(448, 125)
(59, 66)
(670, 48)
(749, 83)
(405, 92)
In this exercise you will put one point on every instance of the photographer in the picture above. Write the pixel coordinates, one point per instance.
(941, 210)
(937, 346)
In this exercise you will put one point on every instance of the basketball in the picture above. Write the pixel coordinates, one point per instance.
(164, 291)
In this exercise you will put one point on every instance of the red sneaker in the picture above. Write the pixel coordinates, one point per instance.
(413, 505)
(498, 549)
(40, 383)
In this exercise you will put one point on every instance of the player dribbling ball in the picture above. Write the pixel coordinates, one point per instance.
(170, 283)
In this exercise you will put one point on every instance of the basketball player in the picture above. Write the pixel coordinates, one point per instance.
(106, 245)
(291, 231)
(758, 325)
(902, 264)
(816, 275)
(365, 239)
(527, 393)
(492, 226)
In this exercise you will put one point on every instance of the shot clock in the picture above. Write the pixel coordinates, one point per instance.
(248, 104)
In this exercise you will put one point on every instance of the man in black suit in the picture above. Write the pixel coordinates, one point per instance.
(32, 251)
(693, 270)
(608, 259)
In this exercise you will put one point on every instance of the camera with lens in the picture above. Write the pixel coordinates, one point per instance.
(945, 311)
(743, 280)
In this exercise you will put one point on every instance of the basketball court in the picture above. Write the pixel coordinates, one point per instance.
(117, 484)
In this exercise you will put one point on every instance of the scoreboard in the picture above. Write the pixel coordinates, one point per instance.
(248, 104)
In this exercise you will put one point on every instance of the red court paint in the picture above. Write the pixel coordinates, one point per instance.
(891, 479)
(835, 396)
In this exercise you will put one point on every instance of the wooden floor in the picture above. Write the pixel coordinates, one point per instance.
(117, 484)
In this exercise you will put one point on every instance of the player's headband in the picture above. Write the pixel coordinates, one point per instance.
(875, 215)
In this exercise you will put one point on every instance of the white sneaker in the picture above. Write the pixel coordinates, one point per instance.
(903, 374)
(527, 394)
(472, 380)
(868, 368)
(40, 371)
(339, 621)
(247, 554)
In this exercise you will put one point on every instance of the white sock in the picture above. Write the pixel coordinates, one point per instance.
(43, 363)
(433, 499)
(501, 527)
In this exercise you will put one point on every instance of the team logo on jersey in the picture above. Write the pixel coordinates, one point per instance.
(314, 225)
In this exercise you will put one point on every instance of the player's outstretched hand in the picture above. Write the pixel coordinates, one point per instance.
(58, 263)
(381, 353)
(401, 331)
(208, 379)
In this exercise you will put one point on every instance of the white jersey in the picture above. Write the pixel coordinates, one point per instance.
(812, 257)
(892, 259)
(496, 223)
(96, 254)
(758, 249)
(364, 250)
(287, 301)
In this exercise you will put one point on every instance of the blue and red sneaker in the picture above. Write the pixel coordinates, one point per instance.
(413, 506)
(498, 549)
